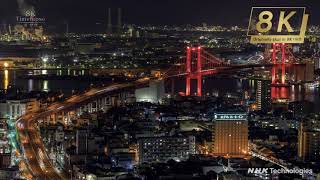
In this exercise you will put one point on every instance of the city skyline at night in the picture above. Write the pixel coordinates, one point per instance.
(159, 89)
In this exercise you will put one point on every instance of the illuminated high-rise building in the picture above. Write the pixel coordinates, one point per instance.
(230, 135)
(263, 95)
(309, 140)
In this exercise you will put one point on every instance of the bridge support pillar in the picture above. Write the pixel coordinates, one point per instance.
(99, 106)
(107, 103)
(68, 118)
(283, 64)
(78, 111)
(188, 70)
(197, 74)
(88, 106)
(273, 73)
(52, 118)
(278, 64)
(188, 81)
(94, 106)
(199, 85)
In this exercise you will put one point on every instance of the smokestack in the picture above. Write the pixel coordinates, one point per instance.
(25, 8)
(67, 28)
(109, 21)
(5, 31)
(119, 19)
(10, 30)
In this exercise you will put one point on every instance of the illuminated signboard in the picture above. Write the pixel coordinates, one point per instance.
(230, 116)
(277, 25)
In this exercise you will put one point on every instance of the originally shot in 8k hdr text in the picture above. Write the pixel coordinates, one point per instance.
(159, 90)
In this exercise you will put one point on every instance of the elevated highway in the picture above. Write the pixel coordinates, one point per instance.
(35, 156)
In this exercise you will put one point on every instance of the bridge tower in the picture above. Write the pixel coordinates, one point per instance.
(279, 87)
(193, 69)
(279, 64)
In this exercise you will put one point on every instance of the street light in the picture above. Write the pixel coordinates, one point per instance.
(45, 59)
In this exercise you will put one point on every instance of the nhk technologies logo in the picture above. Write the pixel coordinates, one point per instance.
(265, 171)
(277, 25)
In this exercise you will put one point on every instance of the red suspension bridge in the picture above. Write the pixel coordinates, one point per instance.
(199, 63)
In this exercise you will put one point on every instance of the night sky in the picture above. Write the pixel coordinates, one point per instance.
(90, 13)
